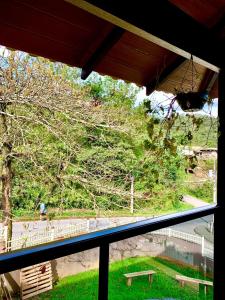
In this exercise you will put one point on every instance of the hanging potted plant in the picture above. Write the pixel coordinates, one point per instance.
(191, 100)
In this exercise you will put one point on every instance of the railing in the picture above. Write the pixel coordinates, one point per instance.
(180, 235)
(208, 253)
(188, 238)
(102, 239)
(3, 233)
(47, 235)
(55, 233)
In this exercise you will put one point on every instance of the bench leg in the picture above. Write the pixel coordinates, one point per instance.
(205, 289)
(150, 278)
(129, 281)
(182, 283)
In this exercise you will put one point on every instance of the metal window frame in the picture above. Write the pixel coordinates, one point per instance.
(200, 45)
(219, 215)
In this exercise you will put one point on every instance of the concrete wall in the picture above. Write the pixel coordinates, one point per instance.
(86, 260)
(143, 245)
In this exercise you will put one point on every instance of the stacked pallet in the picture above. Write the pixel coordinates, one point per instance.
(35, 280)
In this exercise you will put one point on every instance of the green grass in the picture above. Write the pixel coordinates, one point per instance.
(84, 286)
(27, 215)
(203, 191)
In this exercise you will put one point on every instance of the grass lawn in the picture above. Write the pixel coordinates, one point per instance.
(84, 286)
(27, 215)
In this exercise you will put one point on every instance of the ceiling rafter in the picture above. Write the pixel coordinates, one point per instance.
(152, 85)
(209, 77)
(208, 81)
(110, 40)
(182, 34)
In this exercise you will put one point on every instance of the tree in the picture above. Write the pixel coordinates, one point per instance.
(45, 118)
(77, 145)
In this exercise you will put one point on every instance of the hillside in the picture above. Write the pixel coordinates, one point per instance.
(87, 146)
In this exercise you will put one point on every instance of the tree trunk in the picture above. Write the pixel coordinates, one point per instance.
(6, 192)
(6, 176)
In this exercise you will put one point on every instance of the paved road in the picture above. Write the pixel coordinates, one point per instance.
(19, 228)
(195, 202)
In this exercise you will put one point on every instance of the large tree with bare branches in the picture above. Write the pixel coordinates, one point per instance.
(74, 145)
(45, 120)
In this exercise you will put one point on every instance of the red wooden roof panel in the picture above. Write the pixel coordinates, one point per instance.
(137, 55)
(60, 31)
(207, 12)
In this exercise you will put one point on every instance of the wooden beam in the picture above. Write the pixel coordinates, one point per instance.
(110, 40)
(209, 76)
(163, 24)
(208, 81)
(151, 86)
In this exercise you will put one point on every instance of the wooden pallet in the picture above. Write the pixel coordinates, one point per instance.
(35, 280)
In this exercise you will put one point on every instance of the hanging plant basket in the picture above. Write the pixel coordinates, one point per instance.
(191, 101)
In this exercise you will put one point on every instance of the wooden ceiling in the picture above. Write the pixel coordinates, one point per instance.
(206, 12)
(63, 32)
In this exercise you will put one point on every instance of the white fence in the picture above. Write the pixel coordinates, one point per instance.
(208, 253)
(47, 235)
(188, 238)
(60, 232)
(180, 235)
(3, 233)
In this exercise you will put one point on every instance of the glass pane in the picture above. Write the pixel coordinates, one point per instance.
(171, 263)
(73, 277)
(97, 150)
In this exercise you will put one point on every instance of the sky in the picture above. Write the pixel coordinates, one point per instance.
(4, 51)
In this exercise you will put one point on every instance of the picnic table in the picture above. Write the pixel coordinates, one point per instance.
(130, 276)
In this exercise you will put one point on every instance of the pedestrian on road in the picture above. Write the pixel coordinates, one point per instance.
(43, 211)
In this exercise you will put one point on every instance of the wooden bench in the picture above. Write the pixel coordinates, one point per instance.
(130, 276)
(182, 279)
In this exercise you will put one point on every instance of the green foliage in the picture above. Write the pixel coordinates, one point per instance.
(77, 145)
(203, 191)
(107, 90)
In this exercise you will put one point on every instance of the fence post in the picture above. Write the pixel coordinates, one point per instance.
(169, 232)
(88, 225)
(5, 233)
(203, 245)
(52, 234)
